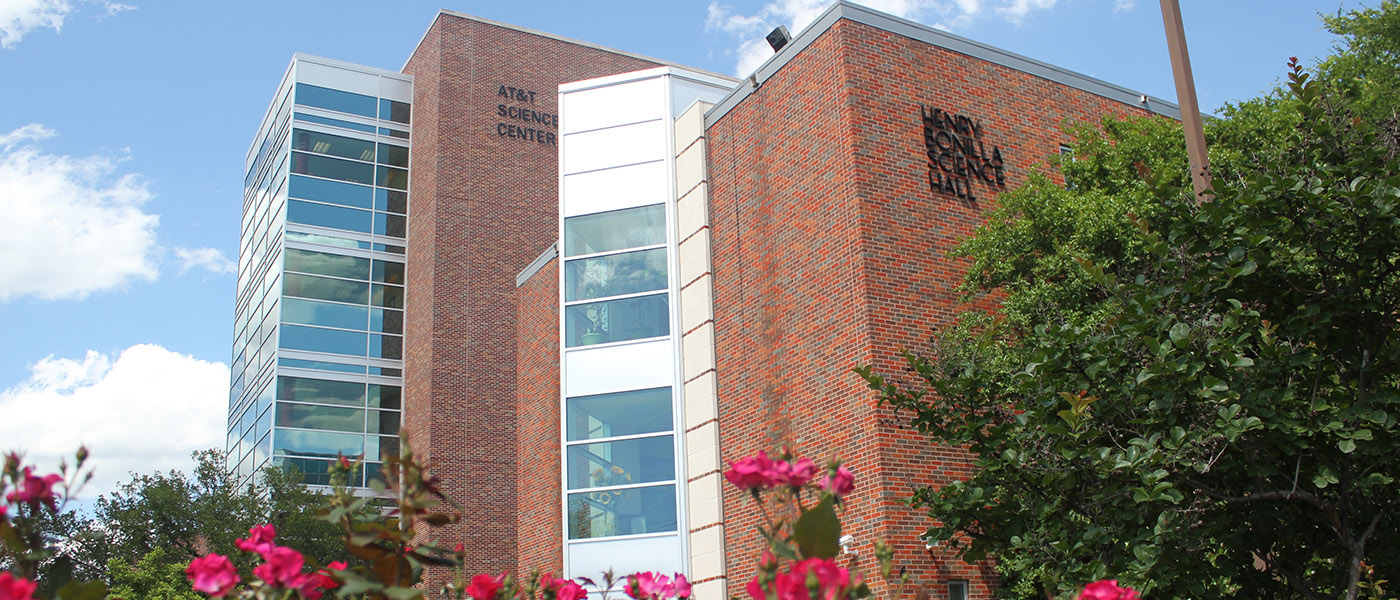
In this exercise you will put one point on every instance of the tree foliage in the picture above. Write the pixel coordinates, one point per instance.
(1201, 400)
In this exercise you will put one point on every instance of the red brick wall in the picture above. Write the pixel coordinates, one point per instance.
(830, 251)
(484, 205)
(540, 542)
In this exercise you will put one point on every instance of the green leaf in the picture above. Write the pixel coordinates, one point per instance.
(1180, 334)
(1346, 446)
(818, 531)
(92, 590)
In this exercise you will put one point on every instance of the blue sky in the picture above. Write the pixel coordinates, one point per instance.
(124, 127)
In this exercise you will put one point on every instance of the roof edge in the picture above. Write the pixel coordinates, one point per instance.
(842, 9)
(537, 264)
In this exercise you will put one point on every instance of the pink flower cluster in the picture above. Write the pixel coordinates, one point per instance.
(16, 588)
(282, 568)
(35, 490)
(1108, 589)
(655, 586)
(759, 472)
(487, 587)
(811, 579)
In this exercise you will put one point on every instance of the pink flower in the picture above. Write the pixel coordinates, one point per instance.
(211, 574)
(655, 586)
(795, 474)
(680, 588)
(751, 473)
(832, 579)
(326, 579)
(485, 587)
(259, 540)
(839, 481)
(16, 588)
(1108, 589)
(282, 569)
(564, 589)
(35, 490)
(308, 585)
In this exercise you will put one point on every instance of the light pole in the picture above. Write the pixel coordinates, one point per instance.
(1186, 98)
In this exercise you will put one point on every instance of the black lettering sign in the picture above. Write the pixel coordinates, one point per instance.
(530, 120)
(958, 154)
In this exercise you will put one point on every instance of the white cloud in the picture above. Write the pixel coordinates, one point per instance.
(113, 8)
(18, 17)
(210, 259)
(143, 410)
(748, 29)
(74, 226)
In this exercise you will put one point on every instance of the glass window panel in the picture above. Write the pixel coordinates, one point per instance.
(337, 100)
(390, 154)
(384, 421)
(290, 442)
(325, 263)
(386, 371)
(392, 201)
(385, 346)
(316, 339)
(325, 215)
(391, 249)
(616, 320)
(385, 396)
(386, 295)
(622, 512)
(334, 192)
(393, 178)
(383, 320)
(393, 133)
(323, 288)
(615, 230)
(333, 168)
(615, 275)
(334, 145)
(387, 272)
(334, 122)
(371, 472)
(623, 413)
(381, 448)
(326, 240)
(323, 391)
(393, 110)
(313, 471)
(390, 225)
(320, 365)
(306, 416)
(308, 312)
(622, 462)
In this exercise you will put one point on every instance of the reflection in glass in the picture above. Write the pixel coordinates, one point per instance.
(313, 471)
(326, 240)
(616, 320)
(322, 391)
(333, 122)
(323, 288)
(615, 230)
(292, 442)
(622, 512)
(392, 201)
(387, 295)
(308, 312)
(329, 99)
(392, 110)
(383, 320)
(393, 133)
(333, 192)
(332, 168)
(316, 339)
(615, 275)
(390, 154)
(385, 346)
(385, 396)
(307, 416)
(390, 225)
(325, 263)
(619, 414)
(325, 215)
(319, 365)
(623, 462)
(334, 145)
(388, 272)
(384, 421)
(393, 178)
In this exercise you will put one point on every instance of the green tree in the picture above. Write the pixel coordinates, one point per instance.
(1200, 400)
(152, 577)
(1365, 65)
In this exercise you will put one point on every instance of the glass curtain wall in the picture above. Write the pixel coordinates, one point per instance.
(319, 328)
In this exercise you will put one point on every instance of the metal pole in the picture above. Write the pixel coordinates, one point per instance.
(1186, 98)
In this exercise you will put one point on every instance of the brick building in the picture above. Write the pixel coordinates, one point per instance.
(717, 255)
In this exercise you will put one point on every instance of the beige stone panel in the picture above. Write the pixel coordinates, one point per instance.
(695, 256)
(690, 126)
(702, 450)
(698, 351)
(707, 553)
(690, 168)
(701, 401)
(693, 211)
(704, 501)
(697, 303)
(710, 590)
